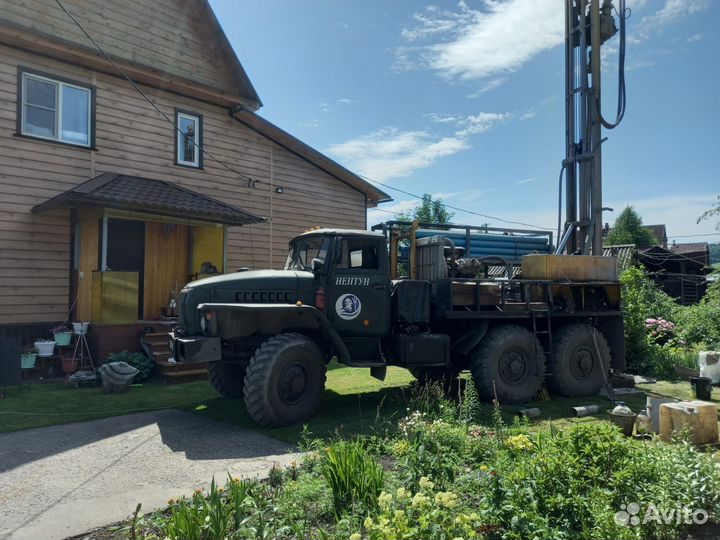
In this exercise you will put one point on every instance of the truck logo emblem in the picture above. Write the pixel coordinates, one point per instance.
(348, 306)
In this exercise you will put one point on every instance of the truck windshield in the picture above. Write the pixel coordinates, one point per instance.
(304, 250)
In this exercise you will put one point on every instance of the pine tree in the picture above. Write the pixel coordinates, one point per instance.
(628, 229)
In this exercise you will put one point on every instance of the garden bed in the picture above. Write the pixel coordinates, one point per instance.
(446, 470)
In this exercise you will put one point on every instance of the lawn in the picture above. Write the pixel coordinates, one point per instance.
(354, 403)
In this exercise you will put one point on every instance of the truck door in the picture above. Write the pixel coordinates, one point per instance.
(359, 287)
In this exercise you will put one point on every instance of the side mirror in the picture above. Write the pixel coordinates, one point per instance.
(316, 265)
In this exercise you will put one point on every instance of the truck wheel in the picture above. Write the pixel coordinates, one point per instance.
(285, 380)
(577, 368)
(227, 378)
(511, 357)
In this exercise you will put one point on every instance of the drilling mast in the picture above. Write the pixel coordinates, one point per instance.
(588, 24)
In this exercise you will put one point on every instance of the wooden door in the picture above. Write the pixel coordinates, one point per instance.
(166, 265)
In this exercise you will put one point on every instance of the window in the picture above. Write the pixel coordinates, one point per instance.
(56, 110)
(304, 250)
(188, 139)
(359, 254)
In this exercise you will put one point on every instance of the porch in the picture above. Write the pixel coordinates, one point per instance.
(135, 243)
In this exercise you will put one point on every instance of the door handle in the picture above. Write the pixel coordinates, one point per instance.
(377, 286)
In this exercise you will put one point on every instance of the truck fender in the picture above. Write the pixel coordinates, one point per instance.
(293, 317)
(471, 339)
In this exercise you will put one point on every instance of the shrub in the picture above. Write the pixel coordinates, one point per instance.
(139, 361)
(700, 323)
(354, 477)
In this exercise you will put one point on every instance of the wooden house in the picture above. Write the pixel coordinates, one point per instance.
(114, 194)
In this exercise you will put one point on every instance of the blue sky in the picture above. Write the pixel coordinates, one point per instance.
(465, 100)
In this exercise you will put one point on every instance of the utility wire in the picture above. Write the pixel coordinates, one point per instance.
(495, 218)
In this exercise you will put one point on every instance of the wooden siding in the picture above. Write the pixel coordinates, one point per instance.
(166, 35)
(132, 138)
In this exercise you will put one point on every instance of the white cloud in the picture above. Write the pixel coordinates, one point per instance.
(480, 123)
(670, 13)
(311, 123)
(488, 87)
(323, 107)
(391, 153)
(526, 180)
(474, 44)
(466, 195)
(694, 38)
(344, 101)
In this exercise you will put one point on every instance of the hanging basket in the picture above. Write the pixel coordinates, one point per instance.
(62, 339)
(80, 327)
(27, 361)
(45, 348)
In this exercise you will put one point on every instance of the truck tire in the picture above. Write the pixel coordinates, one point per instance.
(577, 369)
(511, 357)
(284, 380)
(227, 379)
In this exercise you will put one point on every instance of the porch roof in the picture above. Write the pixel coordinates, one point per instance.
(148, 195)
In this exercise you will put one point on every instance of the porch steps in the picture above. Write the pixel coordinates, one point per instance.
(156, 343)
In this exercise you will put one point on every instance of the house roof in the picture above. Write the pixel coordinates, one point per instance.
(698, 251)
(659, 232)
(148, 195)
(624, 253)
(309, 154)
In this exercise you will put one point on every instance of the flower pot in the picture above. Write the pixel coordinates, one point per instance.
(70, 365)
(80, 327)
(27, 361)
(45, 348)
(62, 339)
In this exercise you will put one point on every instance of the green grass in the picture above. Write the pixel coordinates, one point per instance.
(353, 403)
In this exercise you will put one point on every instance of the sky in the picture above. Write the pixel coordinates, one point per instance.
(464, 100)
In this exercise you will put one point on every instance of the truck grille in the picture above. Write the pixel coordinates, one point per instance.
(265, 297)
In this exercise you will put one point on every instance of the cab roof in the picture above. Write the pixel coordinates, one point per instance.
(341, 232)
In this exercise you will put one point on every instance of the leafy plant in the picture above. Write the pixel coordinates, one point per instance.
(354, 477)
(139, 361)
(30, 349)
(628, 229)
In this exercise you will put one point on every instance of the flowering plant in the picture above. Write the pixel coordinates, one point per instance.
(660, 330)
(425, 514)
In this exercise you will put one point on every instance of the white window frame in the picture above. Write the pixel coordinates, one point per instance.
(180, 137)
(58, 109)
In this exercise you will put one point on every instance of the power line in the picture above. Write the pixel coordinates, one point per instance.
(495, 218)
(694, 235)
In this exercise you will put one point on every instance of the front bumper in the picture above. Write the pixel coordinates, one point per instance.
(195, 349)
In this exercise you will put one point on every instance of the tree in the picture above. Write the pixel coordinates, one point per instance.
(628, 229)
(428, 211)
(709, 214)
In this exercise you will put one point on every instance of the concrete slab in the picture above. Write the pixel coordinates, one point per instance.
(60, 481)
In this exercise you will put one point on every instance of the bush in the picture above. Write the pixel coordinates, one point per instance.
(354, 477)
(139, 361)
(700, 323)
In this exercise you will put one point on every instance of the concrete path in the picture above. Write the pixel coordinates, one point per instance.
(63, 480)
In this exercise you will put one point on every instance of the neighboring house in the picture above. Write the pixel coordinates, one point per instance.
(697, 251)
(106, 210)
(680, 275)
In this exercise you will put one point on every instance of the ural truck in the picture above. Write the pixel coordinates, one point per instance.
(412, 295)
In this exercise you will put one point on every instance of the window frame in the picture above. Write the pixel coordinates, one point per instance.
(198, 118)
(60, 82)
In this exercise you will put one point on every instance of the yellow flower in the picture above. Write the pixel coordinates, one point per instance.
(355, 536)
(519, 442)
(419, 500)
(402, 493)
(384, 500)
(448, 499)
(368, 522)
(483, 467)
(426, 483)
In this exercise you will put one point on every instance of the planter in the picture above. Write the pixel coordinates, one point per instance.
(27, 361)
(80, 328)
(70, 365)
(62, 339)
(45, 348)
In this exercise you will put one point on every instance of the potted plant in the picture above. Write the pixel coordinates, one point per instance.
(62, 335)
(45, 347)
(28, 357)
(80, 327)
(70, 365)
